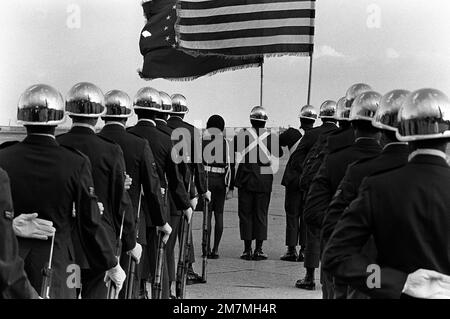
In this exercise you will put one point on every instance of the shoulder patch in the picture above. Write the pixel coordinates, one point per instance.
(8, 144)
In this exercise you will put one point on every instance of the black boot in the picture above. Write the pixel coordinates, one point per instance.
(290, 255)
(301, 255)
(307, 282)
(259, 254)
(247, 254)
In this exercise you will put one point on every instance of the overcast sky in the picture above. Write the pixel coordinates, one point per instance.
(388, 44)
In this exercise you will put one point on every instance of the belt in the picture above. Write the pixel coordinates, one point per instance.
(212, 169)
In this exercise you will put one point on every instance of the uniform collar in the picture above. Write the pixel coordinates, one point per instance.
(176, 118)
(161, 121)
(394, 145)
(75, 127)
(147, 121)
(114, 125)
(427, 152)
(40, 139)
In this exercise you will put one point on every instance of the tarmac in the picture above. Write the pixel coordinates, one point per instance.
(231, 277)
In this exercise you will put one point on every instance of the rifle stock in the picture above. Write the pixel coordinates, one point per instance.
(181, 260)
(205, 240)
(47, 273)
(157, 285)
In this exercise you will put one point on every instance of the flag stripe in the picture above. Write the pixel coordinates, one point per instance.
(247, 25)
(263, 49)
(246, 42)
(210, 4)
(253, 16)
(267, 26)
(247, 33)
(262, 7)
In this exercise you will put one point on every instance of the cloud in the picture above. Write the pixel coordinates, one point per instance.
(327, 51)
(392, 53)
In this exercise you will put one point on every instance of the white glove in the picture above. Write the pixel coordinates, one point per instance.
(194, 202)
(188, 213)
(229, 195)
(117, 276)
(167, 230)
(427, 284)
(136, 253)
(128, 181)
(207, 196)
(101, 208)
(29, 226)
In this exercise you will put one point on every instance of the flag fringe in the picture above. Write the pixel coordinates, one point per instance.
(191, 78)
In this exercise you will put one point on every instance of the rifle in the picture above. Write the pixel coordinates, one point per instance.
(131, 271)
(157, 284)
(205, 235)
(112, 289)
(47, 274)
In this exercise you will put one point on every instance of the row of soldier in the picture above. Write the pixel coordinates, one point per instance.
(106, 193)
(373, 205)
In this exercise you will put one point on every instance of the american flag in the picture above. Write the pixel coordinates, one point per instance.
(246, 27)
(161, 57)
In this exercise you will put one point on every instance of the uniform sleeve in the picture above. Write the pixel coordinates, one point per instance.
(343, 255)
(14, 283)
(176, 185)
(152, 187)
(318, 198)
(123, 205)
(345, 194)
(97, 246)
(200, 178)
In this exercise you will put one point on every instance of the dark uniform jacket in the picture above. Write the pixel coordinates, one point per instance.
(14, 283)
(290, 137)
(196, 167)
(328, 142)
(108, 171)
(393, 156)
(330, 175)
(140, 165)
(253, 173)
(49, 179)
(407, 212)
(294, 167)
(169, 176)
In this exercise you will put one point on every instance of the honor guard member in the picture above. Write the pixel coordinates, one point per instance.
(195, 174)
(331, 172)
(51, 180)
(256, 151)
(140, 166)
(220, 174)
(317, 153)
(294, 200)
(292, 172)
(14, 283)
(406, 210)
(147, 104)
(84, 105)
(394, 155)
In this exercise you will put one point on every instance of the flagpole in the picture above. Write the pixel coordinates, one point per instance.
(261, 84)
(310, 77)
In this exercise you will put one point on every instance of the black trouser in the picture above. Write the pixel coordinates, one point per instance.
(218, 189)
(35, 254)
(253, 209)
(312, 247)
(150, 262)
(170, 247)
(295, 227)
